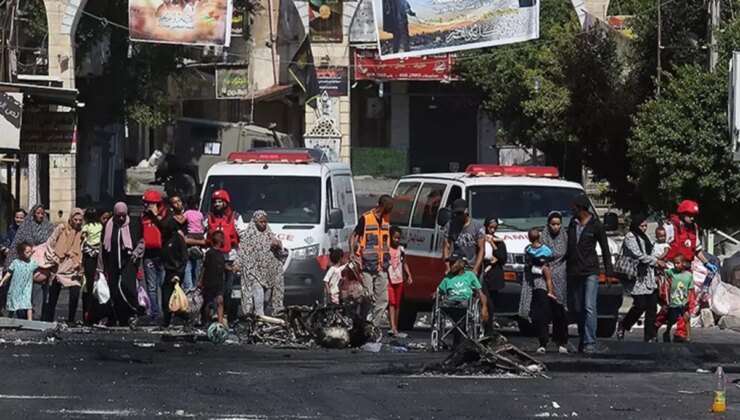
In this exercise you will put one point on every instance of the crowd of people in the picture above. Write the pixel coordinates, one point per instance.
(172, 244)
(141, 259)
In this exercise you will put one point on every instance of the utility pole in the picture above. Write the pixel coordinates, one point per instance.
(659, 68)
(714, 19)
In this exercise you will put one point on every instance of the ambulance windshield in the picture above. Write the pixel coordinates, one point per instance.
(521, 207)
(286, 199)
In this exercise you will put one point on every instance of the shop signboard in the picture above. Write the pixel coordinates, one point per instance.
(11, 116)
(333, 80)
(49, 132)
(232, 83)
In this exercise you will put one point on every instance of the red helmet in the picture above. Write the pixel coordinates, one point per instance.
(152, 196)
(221, 195)
(688, 207)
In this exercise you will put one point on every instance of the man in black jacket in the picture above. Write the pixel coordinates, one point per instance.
(584, 233)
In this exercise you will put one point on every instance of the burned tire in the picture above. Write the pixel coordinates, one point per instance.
(606, 328)
(407, 316)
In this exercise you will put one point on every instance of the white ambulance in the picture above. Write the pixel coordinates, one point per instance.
(310, 205)
(521, 197)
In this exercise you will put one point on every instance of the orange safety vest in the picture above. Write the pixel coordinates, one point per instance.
(375, 243)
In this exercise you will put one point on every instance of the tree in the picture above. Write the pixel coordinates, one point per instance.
(680, 147)
(566, 94)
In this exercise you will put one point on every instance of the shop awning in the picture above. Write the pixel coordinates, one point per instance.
(43, 94)
(272, 93)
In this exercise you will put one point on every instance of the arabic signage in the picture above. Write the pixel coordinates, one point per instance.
(369, 66)
(49, 132)
(232, 83)
(11, 116)
(411, 28)
(325, 21)
(199, 22)
(333, 80)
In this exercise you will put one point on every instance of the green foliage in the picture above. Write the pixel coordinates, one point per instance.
(680, 147)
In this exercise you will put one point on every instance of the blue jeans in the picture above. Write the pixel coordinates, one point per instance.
(154, 276)
(192, 273)
(582, 294)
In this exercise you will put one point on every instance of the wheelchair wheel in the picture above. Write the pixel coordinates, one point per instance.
(476, 329)
(436, 338)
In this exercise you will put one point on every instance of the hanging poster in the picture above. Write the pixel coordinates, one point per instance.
(199, 22)
(410, 28)
(49, 132)
(369, 66)
(325, 21)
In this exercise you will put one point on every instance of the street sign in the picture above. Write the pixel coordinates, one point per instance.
(49, 132)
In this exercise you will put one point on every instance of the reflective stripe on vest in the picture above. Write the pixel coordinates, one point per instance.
(375, 243)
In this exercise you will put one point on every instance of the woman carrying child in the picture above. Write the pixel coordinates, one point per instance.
(555, 238)
(492, 273)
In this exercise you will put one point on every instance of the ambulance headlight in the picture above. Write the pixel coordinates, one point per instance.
(306, 253)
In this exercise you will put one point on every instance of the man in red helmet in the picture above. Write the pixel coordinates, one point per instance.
(682, 235)
(222, 218)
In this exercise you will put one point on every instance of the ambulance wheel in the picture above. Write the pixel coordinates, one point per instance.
(181, 184)
(407, 316)
(606, 328)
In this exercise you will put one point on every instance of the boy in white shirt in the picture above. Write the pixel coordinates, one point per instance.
(334, 275)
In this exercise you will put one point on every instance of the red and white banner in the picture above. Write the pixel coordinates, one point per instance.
(369, 66)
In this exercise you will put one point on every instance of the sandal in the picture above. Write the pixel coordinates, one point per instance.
(620, 332)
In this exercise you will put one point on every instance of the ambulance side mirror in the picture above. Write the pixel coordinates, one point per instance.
(335, 220)
(444, 215)
(611, 222)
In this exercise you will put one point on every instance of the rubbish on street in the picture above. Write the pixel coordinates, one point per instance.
(217, 333)
(372, 347)
(702, 371)
(488, 356)
(24, 324)
(729, 322)
(144, 345)
(719, 404)
(707, 318)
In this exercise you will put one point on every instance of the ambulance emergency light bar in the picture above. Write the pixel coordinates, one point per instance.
(530, 171)
(270, 157)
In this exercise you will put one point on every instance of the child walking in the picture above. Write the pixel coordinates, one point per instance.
(681, 282)
(211, 280)
(334, 275)
(397, 270)
(91, 234)
(20, 274)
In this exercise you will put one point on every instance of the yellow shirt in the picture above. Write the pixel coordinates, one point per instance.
(93, 233)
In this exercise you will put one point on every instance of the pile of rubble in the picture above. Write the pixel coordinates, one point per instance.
(492, 355)
(333, 326)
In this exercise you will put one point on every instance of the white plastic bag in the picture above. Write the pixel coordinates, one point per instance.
(101, 290)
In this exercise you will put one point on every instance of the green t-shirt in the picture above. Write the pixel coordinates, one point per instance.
(459, 287)
(93, 232)
(681, 284)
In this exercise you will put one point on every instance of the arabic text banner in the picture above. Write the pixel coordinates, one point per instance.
(199, 22)
(411, 28)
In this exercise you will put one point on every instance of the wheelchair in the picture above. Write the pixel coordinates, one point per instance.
(450, 317)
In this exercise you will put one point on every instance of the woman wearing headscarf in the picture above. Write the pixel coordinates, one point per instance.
(64, 249)
(643, 288)
(120, 253)
(261, 269)
(492, 273)
(36, 230)
(557, 240)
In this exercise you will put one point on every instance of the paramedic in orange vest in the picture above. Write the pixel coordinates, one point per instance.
(370, 243)
(153, 265)
(683, 236)
(222, 218)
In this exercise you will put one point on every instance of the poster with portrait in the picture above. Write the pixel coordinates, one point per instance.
(194, 22)
(412, 28)
(325, 21)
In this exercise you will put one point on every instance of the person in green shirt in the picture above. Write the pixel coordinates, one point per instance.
(457, 286)
(681, 282)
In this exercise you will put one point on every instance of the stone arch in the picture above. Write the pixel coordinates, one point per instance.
(62, 17)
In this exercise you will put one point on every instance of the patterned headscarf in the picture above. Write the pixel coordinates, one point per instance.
(30, 231)
(256, 255)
